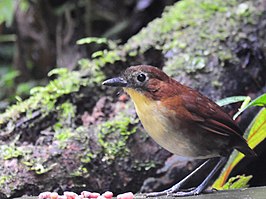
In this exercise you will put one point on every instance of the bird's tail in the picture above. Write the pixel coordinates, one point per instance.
(246, 150)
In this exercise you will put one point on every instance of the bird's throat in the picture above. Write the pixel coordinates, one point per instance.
(150, 115)
(138, 98)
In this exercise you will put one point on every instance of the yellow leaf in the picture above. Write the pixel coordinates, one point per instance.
(256, 134)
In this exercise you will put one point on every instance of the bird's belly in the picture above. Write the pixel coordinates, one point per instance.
(167, 134)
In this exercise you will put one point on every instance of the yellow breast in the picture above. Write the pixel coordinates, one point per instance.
(148, 113)
(158, 125)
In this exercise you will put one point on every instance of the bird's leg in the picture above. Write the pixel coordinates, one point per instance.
(205, 183)
(177, 186)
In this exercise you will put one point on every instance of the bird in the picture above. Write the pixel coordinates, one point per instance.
(181, 120)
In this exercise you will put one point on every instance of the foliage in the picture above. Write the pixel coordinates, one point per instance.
(237, 182)
(146, 165)
(9, 152)
(113, 136)
(184, 36)
(182, 23)
(37, 165)
(164, 34)
(4, 179)
(7, 9)
(230, 100)
(46, 97)
(255, 134)
(10, 88)
(260, 101)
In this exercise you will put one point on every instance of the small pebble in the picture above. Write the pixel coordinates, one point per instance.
(108, 194)
(128, 195)
(44, 195)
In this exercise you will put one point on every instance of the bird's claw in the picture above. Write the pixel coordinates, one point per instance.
(176, 193)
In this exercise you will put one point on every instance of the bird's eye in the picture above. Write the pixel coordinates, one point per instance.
(141, 77)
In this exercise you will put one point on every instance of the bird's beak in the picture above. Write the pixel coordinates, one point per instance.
(115, 82)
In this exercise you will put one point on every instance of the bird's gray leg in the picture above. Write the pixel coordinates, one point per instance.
(177, 186)
(205, 183)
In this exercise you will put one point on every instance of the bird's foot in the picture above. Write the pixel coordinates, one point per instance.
(177, 193)
(166, 192)
(191, 192)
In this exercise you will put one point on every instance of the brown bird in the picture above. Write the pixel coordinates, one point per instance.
(181, 120)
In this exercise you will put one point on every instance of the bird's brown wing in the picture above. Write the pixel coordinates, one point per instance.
(211, 117)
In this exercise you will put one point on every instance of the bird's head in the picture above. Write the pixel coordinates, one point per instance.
(145, 80)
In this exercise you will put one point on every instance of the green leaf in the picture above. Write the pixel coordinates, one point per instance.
(7, 8)
(89, 40)
(24, 5)
(259, 101)
(58, 71)
(230, 100)
(97, 54)
(240, 181)
(255, 134)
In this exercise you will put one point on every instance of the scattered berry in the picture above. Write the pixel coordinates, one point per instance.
(108, 194)
(44, 195)
(101, 197)
(54, 195)
(86, 194)
(62, 197)
(94, 195)
(70, 195)
(128, 195)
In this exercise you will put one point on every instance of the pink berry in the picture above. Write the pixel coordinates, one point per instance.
(108, 194)
(101, 197)
(70, 195)
(54, 195)
(94, 195)
(128, 195)
(44, 195)
(62, 197)
(86, 194)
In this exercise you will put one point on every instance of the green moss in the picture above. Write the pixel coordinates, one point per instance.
(10, 151)
(41, 169)
(4, 179)
(88, 156)
(192, 32)
(113, 136)
(44, 98)
(146, 165)
(80, 172)
(37, 164)
(63, 131)
(63, 135)
(216, 84)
